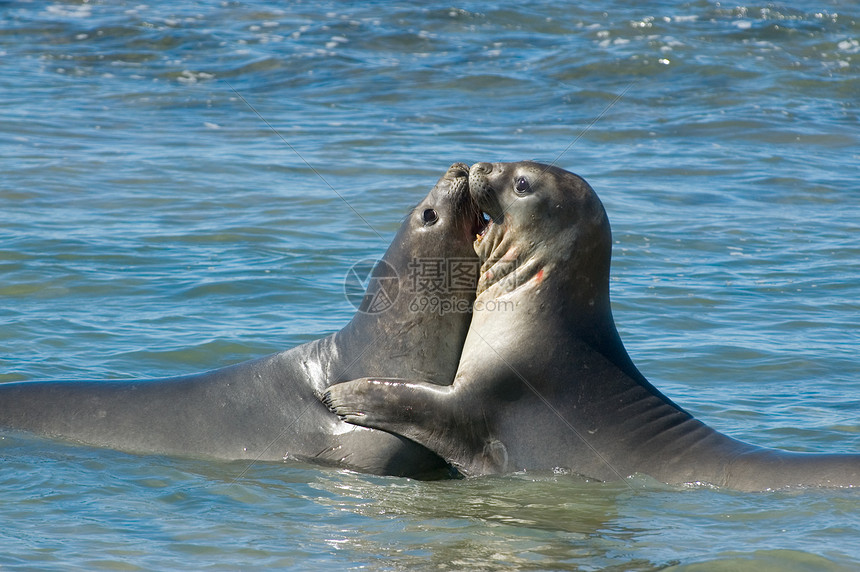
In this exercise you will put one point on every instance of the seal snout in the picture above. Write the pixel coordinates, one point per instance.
(453, 189)
(479, 176)
(481, 169)
(483, 193)
(458, 170)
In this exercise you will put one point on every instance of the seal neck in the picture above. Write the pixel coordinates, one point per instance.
(417, 336)
(402, 344)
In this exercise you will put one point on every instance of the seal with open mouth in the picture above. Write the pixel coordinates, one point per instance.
(270, 408)
(544, 380)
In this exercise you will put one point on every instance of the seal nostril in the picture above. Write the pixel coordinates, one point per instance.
(482, 168)
(459, 170)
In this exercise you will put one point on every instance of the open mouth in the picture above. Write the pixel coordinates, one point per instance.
(485, 221)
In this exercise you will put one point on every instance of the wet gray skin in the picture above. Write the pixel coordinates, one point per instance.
(270, 408)
(544, 381)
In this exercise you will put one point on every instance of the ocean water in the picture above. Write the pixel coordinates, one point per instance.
(185, 185)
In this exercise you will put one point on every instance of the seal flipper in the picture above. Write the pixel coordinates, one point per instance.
(410, 408)
(423, 412)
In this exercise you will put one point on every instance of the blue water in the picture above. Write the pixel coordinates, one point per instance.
(184, 186)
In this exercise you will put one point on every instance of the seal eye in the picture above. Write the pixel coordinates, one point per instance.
(522, 185)
(429, 216)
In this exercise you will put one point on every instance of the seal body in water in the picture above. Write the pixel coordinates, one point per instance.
(270, 408)
(544, 380)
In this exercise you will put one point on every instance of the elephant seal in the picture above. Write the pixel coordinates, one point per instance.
(270, 408)
(544, 380)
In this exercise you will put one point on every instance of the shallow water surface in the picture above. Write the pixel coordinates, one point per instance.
(185, 186)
